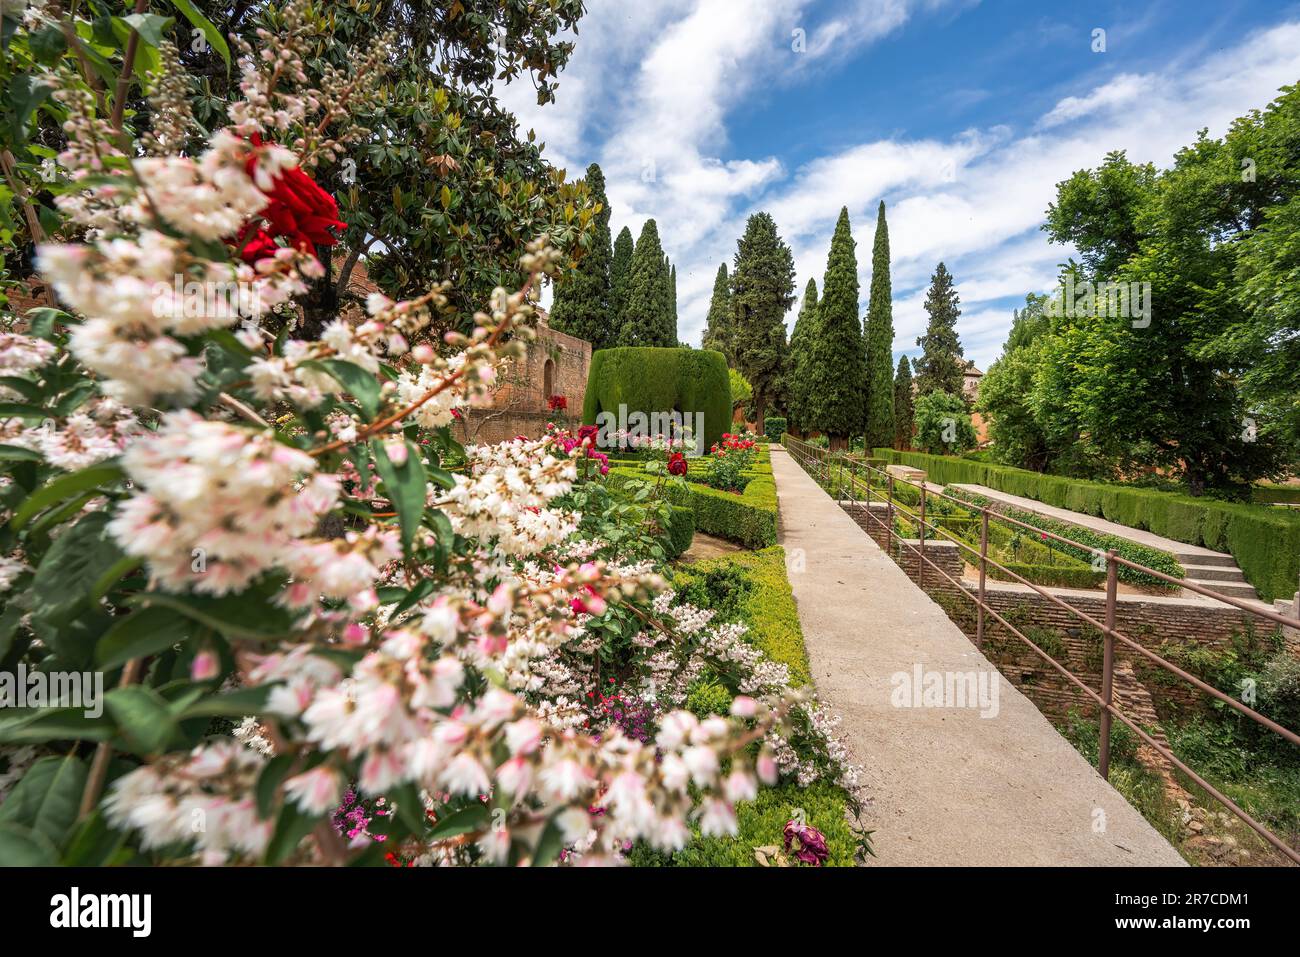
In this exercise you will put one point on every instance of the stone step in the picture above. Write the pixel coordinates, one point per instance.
(1235, 589)
(1202, 559)
(1216, 573)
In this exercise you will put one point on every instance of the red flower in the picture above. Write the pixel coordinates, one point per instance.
(298, 209)
(587, 434)
(557, 403)
(255, 244)
(677, 464)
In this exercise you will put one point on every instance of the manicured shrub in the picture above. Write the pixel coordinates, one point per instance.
(649, 379)
(1265, 541)
(774, 427)
(1289, 494)
(748, 517)
(681, 530)
(1058, 576)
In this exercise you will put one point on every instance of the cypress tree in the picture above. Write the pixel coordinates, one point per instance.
(717, 330)
(880, 343)
(672, 288)
(941, 367)
(801, 343)
(581, 307)
(762, 289)
(903, 412)
(646, 309)
(620, 267)
(838, 363)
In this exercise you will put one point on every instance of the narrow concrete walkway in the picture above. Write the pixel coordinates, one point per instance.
(946, 786)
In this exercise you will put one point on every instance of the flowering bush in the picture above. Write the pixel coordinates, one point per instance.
(727, 462)
(233, 524)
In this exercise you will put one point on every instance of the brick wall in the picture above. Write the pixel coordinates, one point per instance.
(555, 364)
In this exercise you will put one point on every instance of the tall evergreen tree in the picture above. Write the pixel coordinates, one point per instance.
(880, 343)
(620, 267)
(646, 309)
(801, 344)
(581, 306)
(941, 367)
(838, 363)
(672, 287)
(762, 290)
(717, 332)
(904, 414)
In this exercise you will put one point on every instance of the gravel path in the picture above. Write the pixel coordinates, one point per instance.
(946, 786)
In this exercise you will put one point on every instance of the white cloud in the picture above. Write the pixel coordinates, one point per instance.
(651, 87)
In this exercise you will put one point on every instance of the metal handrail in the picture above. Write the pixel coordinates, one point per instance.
(1110, 634)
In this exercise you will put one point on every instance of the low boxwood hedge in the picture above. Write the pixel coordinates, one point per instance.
(748, 517)
(1265, 541)
(1059, 576)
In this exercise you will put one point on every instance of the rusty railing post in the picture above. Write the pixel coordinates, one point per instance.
(1108, 666)
(920, 564)
(984, 561)
(889, 518)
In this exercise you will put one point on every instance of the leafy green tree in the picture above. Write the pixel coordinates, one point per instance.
(620, 268)
(646, 310)
(1166, 383)
(672, 300)
(717, 329)
(903, 413)
(940, 367)
(880, 342)
(801, 346)
(943, 424)
(762, 290)
(1006, 392)
(446, 187)
(581, 307)
(838, 362)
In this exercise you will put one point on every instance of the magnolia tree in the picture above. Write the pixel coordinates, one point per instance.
(231, 526)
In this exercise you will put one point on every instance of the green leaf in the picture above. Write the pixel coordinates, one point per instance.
(63, 488)
(22, 847)
(47, 797)
(362, 384)
(67, 574)
(404, 486)
(143, 632)
(150, 26)
(39, 725)
(142, 716)
(93, 843)
(290, 828)
(234, 704)
(210, 32)
(26, 92)
(269, 781)
(549, 844)
(473, 817)
(21, 410)
(13, 453)
(235, 616)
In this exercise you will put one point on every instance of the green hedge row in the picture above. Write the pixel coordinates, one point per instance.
(1094, 541)
(1264, 541)
(1283, 494)
(1060, 576)
(773, 428)
(748, 518)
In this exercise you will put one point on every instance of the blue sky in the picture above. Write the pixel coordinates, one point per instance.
(961, 115)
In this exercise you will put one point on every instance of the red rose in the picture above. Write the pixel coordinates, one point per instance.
(255, 244)
(298, 208)
(677, 464)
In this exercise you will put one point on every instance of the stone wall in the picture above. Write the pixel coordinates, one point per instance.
(556, 364)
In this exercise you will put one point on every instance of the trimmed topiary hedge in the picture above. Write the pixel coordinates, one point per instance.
(1282, 494)
(681, 529)
(1265, 541)
(1059, 576)
(748, 518)
(649, 379)
(773, 428)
